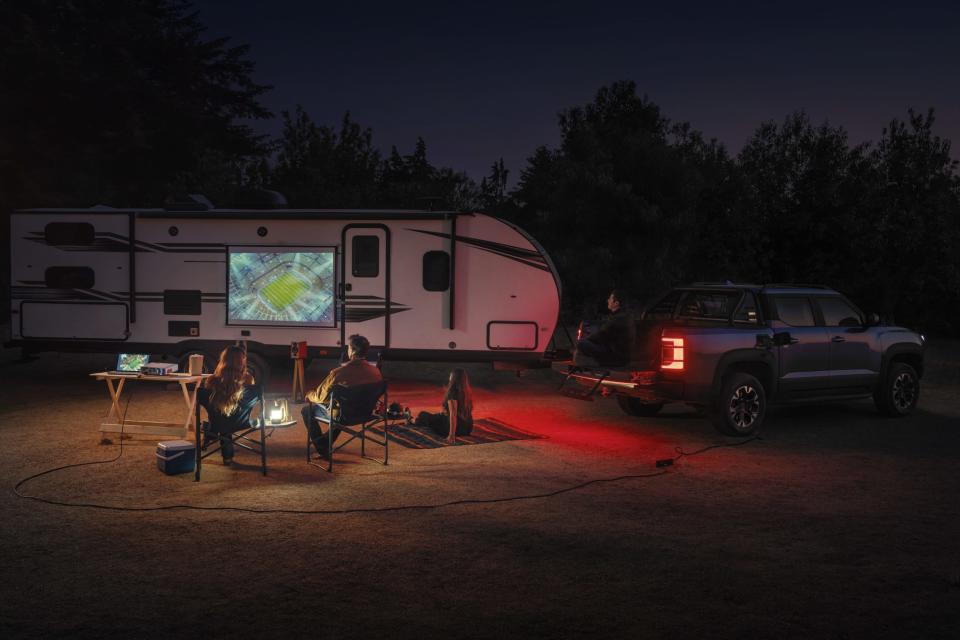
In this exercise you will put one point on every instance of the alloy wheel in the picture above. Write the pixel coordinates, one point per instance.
(744, 407)
(904, 391)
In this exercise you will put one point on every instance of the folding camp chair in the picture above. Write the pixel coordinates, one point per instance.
(353, 409)
(239, 427)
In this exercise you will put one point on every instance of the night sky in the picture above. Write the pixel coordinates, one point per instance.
(481, 80)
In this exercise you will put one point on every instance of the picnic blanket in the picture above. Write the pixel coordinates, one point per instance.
(485, 430)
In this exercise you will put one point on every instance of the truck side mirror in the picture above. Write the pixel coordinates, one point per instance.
(872, 319)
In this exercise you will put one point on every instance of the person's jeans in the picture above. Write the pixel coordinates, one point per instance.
(311, 413)
(596, 350)
(226, 446)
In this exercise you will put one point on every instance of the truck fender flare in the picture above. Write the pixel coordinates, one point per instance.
(738, 356)
(900, 348)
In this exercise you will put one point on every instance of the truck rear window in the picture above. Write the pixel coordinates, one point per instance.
(708, 305)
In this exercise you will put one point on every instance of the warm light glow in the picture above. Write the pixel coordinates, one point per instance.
(671, 356)
(277, 411)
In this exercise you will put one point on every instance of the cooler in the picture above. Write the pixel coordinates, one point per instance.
(176, 456)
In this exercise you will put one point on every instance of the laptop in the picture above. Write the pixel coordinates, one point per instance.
(130, 363)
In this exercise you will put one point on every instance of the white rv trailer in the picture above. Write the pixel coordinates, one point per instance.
(420, 285)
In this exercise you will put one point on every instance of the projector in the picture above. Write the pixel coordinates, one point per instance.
(158, 368)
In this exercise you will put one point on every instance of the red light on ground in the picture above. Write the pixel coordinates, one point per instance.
(671, 356)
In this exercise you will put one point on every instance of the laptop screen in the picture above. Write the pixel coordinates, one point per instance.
(131, 361)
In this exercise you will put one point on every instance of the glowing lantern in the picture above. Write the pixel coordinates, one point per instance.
(277, 411)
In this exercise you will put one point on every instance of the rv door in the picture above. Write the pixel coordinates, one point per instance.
(365, 289)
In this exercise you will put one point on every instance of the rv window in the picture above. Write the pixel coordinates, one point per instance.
(60, 233)
(181, 303)
(69, 277)
(436, 271)
(366, 256)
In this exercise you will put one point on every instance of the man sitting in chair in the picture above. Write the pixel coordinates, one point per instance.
(356, 371)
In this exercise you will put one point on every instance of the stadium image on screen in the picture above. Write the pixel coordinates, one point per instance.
(281, 285)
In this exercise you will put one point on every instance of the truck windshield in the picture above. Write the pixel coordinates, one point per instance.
(708, 305)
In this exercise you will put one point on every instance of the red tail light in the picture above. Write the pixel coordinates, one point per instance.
(671, 355)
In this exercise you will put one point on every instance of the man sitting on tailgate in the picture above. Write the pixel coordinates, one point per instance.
(610, 344)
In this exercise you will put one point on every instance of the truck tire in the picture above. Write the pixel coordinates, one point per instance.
(741, 407)
(899, 392)
(633, 407)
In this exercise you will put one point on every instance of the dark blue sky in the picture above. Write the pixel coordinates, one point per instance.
(481, 80)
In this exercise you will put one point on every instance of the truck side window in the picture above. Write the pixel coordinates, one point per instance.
(436, 271)
(709, 305)
(838, 313)
(796, 312)
(747, 313)
(664, 308)
(366, 256)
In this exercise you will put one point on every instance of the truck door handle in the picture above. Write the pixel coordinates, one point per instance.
(838, 339)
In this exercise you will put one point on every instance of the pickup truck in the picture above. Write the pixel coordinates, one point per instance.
(733, 349)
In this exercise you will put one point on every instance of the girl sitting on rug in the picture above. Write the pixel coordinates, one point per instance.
(456, 418)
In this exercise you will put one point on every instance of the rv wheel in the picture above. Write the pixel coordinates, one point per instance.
(258, 368)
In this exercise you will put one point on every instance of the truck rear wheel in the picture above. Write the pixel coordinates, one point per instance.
(633, 407)
(741, 406)
(898, 394)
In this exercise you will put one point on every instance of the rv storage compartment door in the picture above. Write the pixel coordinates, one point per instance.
(506, 334)
(94, 321)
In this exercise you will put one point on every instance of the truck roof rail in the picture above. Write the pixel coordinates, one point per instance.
(726, 283)
(796, 285)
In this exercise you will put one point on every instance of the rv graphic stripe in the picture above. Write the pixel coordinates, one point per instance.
(528, 257)
(360, 308)
(106, 242)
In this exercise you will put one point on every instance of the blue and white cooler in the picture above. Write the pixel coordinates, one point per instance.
(176, 456)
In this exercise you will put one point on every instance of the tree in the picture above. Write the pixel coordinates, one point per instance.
(805, 189)
(493, 188)
(116, 101)
(909, 241)
(318, 166)
(411, 181)
(617, 204)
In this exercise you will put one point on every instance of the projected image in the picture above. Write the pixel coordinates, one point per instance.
(281, 285)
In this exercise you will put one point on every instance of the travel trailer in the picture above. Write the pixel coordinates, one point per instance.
(421, 285)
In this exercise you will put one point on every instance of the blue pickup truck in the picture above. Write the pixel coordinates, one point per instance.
(732, 349)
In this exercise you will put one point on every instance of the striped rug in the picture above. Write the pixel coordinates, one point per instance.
(485, 430)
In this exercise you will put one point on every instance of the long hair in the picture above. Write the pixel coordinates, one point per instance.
(226, 383)
(459, 389)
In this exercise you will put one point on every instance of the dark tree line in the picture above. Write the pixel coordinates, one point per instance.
(127, 103)
(633, 200)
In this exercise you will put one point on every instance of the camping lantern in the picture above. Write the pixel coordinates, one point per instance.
(277, 411)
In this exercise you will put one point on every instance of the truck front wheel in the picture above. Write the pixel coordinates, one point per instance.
(897, 395)
(741, 406)
(633, 407)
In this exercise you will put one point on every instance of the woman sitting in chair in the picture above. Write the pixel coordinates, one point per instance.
(457, 416)
(228, 396)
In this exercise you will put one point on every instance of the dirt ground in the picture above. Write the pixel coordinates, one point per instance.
(837, 524)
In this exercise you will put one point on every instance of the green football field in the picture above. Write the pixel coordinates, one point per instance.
(283, 291)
